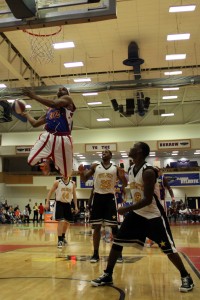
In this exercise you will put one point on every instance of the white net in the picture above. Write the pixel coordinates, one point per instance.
(41, 44)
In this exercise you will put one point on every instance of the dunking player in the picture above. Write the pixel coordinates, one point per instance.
(146, 218)
(65, 191)
(103, 206)
(56, 141)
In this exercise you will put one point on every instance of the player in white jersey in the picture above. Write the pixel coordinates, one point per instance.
(146, 218)
(103, 204)
(65, 192)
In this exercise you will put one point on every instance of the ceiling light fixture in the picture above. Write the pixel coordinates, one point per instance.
(2, 85)
(182, 8)
(175, 56)
(64, 45)
(90, 94)
(169, 97)
(73, 64)
(173, 73)
(178, 37)
(171, 89)
(103, 119)
(94, 103)
(167, 115)
(82, 80)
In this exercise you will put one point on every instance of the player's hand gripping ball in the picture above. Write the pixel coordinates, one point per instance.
(19, 106)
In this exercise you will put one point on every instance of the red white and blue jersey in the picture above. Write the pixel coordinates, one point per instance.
(59, 120)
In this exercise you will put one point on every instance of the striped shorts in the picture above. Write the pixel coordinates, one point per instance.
(58, 148)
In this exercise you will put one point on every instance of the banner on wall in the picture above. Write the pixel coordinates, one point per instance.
(174, 144)
(89, 182)
(23, 149)
(100, 147)
(183, 179)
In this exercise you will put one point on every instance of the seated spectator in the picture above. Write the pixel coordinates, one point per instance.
(195, 215)
(3, 219)
(10, 215)
(18, 216)
(5, 205)
(182, 212)
(16, 208)
(172, 211)
(187, 213)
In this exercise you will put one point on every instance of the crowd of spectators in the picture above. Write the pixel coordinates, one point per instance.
(12, 215)
(178, 211)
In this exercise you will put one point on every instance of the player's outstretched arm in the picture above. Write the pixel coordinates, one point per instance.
(33, 121)
(63, 101)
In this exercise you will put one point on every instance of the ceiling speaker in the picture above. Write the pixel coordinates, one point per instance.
(114, 104)
(130, 106)
(22, 9)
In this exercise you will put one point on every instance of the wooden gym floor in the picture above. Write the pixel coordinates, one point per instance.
(33, 268)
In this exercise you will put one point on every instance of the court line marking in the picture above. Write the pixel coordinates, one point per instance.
(121, 292)
(196, 271)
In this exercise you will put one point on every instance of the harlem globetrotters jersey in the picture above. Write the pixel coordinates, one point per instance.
(137, 192)
(64, 191)
(105, 179)
(59, 120)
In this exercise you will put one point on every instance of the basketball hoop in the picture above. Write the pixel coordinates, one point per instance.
(41, 42)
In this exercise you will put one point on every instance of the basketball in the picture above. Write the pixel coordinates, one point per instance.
(19, 106)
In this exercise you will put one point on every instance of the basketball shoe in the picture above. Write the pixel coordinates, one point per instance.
(60, 244)
(104, 279)
(94, 258)
(187, 284)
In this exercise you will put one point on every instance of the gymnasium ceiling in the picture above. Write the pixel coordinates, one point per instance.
(102, 46)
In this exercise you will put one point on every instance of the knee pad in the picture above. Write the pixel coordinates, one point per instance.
(117, 247)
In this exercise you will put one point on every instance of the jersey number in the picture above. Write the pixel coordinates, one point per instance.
(65, 195)
(105, 184)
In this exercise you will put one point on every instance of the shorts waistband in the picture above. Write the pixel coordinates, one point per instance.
(59, 133)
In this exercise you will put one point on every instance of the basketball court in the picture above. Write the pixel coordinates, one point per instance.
(32, 267)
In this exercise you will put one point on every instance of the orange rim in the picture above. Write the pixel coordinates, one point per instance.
(43, 35)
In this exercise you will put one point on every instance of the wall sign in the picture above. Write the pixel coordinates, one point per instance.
(100, 147)
(183, 179)
(174, 144)
(23, 149)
